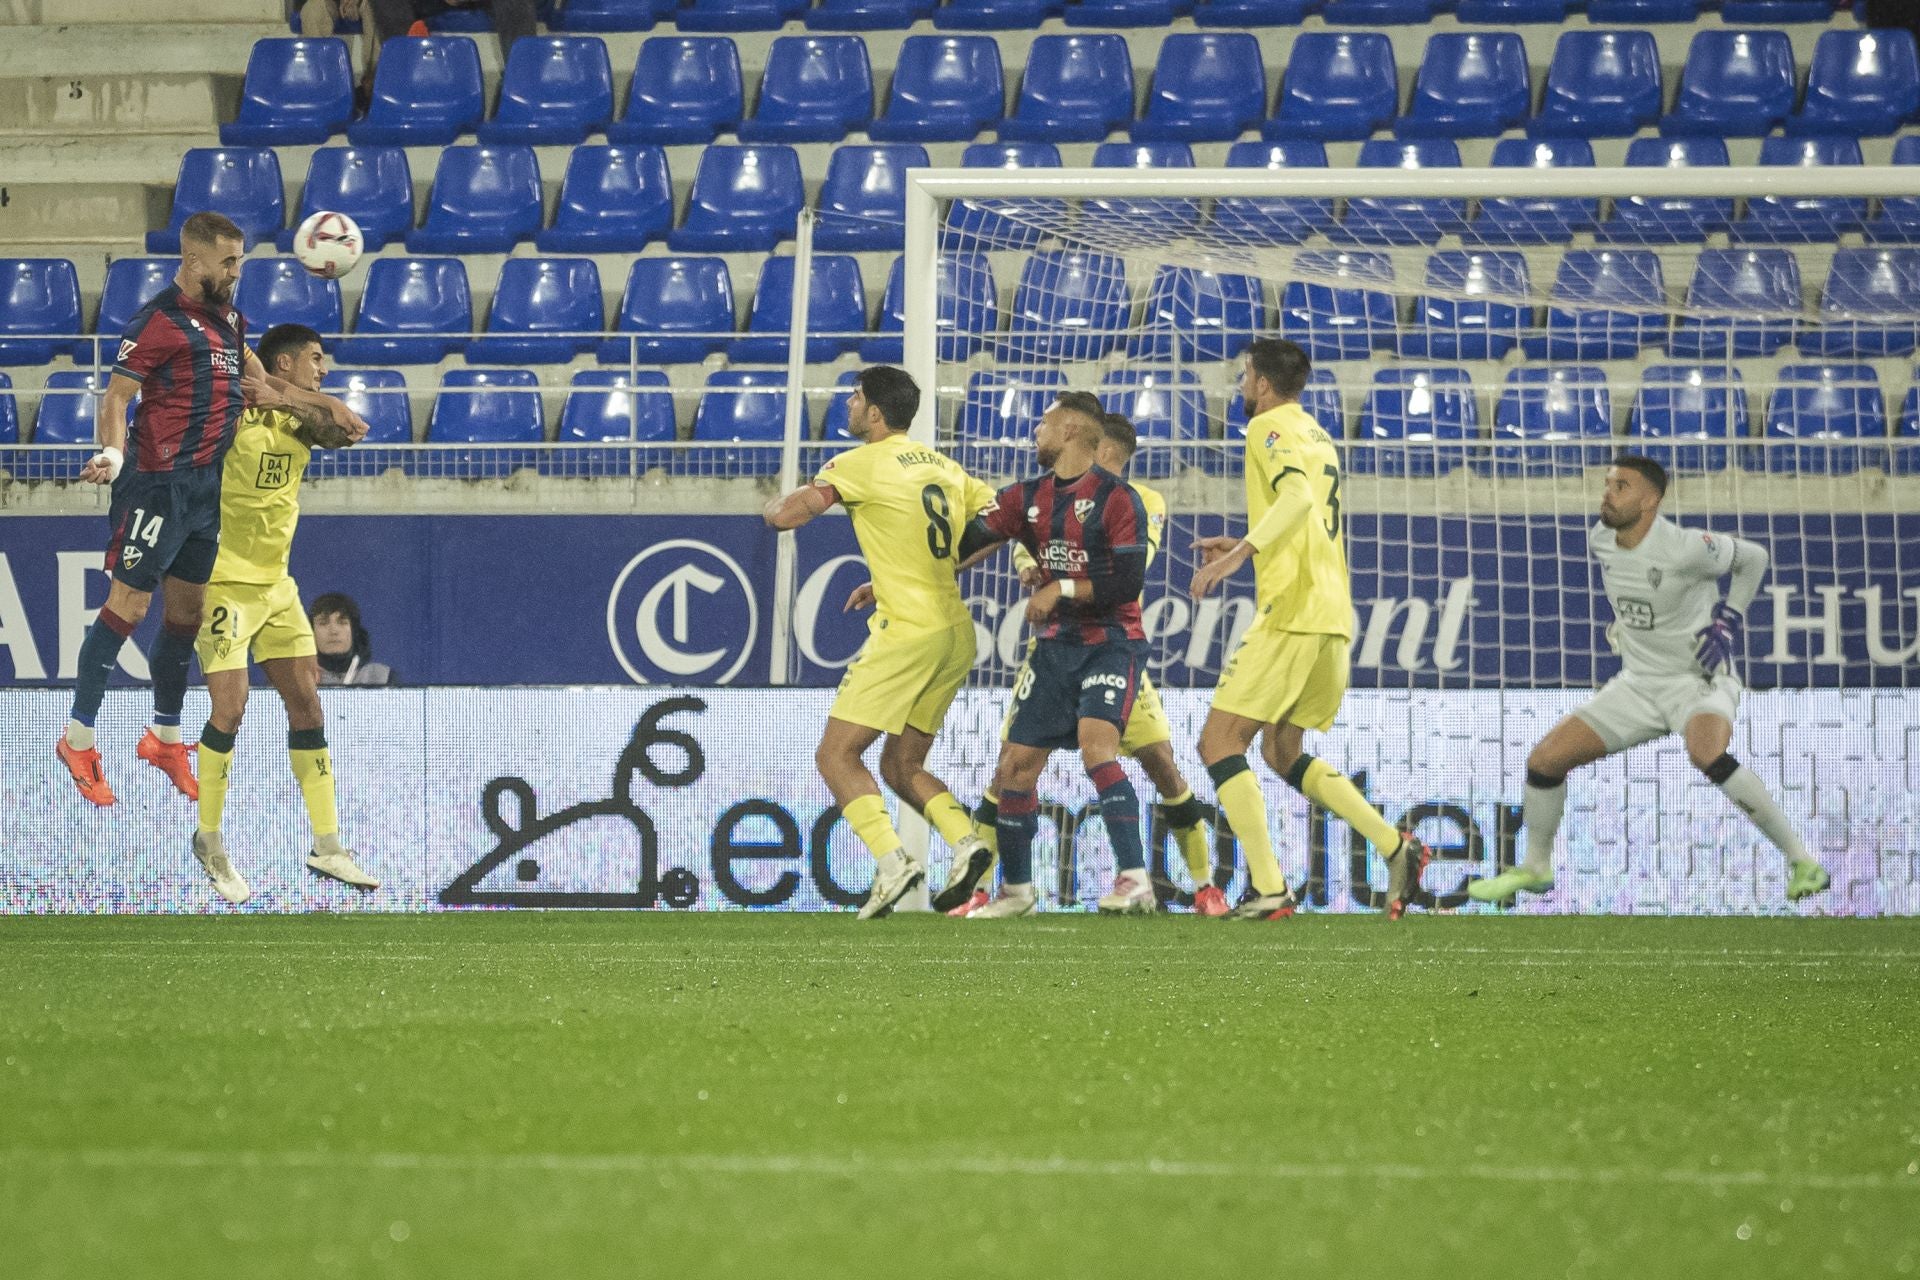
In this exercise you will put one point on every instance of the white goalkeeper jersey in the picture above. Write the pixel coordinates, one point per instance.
(1663, 592)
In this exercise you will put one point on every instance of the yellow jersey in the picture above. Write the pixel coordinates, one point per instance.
(1156, 528)
(910, 505)
(260, 497)
(1300, 584)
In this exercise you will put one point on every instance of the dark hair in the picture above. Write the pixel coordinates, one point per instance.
(893, 392)
(1283, 364)
(1118, 428)
(284, 339)
(1086, 406)
(1655, 473)
(208, 227)
(339, 602)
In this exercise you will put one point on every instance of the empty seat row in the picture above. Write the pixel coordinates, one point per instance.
(1205, 86)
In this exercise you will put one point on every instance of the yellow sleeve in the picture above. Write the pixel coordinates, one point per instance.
(1022, 558)
(847, 475)
(1156, 508)
(976, 494)
(1292, 504)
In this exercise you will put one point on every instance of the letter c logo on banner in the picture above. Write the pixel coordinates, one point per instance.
(673, 602)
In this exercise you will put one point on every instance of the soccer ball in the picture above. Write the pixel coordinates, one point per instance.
(328, 244)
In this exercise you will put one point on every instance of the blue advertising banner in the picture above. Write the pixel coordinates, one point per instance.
(1440, 601)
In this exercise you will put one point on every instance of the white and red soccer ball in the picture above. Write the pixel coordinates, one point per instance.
(328, 244)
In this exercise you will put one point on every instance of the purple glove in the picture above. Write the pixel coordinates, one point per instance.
(1718, 640)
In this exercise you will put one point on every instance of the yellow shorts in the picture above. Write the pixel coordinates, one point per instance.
(899, 681)
(1146, 723)
(1275, 676)
(243, 617)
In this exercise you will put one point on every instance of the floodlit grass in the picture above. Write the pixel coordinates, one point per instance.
(653, 1094)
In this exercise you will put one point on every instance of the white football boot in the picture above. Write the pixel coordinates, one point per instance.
(212, 856)
(1132, 895)
(342, 867)
(895, 877)
(1014, 901)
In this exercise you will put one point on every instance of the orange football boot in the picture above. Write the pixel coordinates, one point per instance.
(86, 771)
(1211, 901)
(175, 759)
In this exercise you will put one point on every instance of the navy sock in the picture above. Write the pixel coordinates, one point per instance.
(1017, 824)
(99, 653)
(1120, 808)
(170, 657)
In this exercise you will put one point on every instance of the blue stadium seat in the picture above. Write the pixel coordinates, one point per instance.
(1735, 84)
(998, 415)
(1549, 405)
(39, 298)
(131, 284)
(867, 15)
(1339, 306)
(556, 91)
(1821, 403)
(680, 309)
(485, 199)
(815, 89)
(1273, 219)
(1506, 13)
(685, 89)
(380, 397)
(1163, 404)
(969, 309)
(745, 200)
(68, 412)
(1213, 316)
(297, 92)
(426, 93)
(1172, 215)
(1339, 85)
(241, 182)
(1898, 217)
(1121, 13)
(971, 226)
(1608, 304)
(1741, 302)
(280, 291)
(1477, 308)
(1870, 305)
(1778, 219)
(371, 185)
(1683, 403)
(992, 15)
(9, 413)
(836, 311)
(745, 406)
(1517, 220)
(1775, 12)
(614, 405)
(1471, 84)
(1076, 89)
(1638, 11)
(614, 199)
(863, 200)
(1600, 84)
(1859, 84)
(488, 406)
(1379, 220)
(833, 426)
(1380, 13)
(609, 15)
(737, 15)
(945, 89)
(1207, 87)
(412, 311)
(551, 305)
(1416, 422)
(1689, 219)
(1068, 306)
(1251, 13)
(1903, 454)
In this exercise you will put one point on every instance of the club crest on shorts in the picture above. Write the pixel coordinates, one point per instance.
(130, 556)
(1082, 509)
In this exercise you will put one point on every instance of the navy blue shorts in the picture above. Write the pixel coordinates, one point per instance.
(1067, 683)
(166, 524)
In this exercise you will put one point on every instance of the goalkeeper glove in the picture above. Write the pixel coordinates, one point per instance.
(1717, 640)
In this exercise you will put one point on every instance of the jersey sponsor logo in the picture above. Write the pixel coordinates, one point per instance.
(1060, 556)
(275, 470)
(1637, 614)
(227, 362)
(1105, 680)
(675, 614)
(1082, 508)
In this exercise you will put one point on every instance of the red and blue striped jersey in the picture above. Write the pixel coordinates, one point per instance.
(187, 358)
(1080, 529)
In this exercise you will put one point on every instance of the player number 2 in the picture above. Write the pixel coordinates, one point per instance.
(933, 500)
(1333, 501)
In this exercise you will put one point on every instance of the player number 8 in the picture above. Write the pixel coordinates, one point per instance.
(933, 500)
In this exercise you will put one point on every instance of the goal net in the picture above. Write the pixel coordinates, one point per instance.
(1483, 342)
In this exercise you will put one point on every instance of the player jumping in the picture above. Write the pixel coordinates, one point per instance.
(1677, 639)
(908, 502)
(1087, 531)
(1148, 738)
(184, 354)
(1289, 673)
(253, 606)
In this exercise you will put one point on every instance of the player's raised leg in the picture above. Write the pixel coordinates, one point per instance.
(228, 691)
(1708, 736)
(297, 679)
(1284, 746)
(124, 610)
(182, 602)
(1568, 746)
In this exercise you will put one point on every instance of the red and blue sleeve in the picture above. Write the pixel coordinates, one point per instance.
(143, 352)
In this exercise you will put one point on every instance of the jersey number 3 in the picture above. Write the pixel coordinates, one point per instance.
(1333, 501)
(933, 500)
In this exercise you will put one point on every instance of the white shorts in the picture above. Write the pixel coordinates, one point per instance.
(1630, 710)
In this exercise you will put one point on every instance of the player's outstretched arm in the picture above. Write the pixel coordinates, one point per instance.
(254, 375)
(791, 510)
(110, 429)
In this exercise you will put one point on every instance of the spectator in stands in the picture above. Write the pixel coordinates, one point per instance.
(344, 649)
(511, 18)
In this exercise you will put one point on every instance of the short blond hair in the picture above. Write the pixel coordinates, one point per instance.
(210, 228)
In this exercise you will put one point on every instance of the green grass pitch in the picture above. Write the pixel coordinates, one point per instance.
(566, 1095)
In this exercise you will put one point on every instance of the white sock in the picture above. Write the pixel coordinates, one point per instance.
(79, 736)
(1745, 789)
(166, 732)
(1541, 817)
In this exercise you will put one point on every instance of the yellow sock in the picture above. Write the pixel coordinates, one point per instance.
(1239, 795)
(1193, 847)
(213, 767)
(953, 823)
(313, 767)
(867, 815)
(1334, 791)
